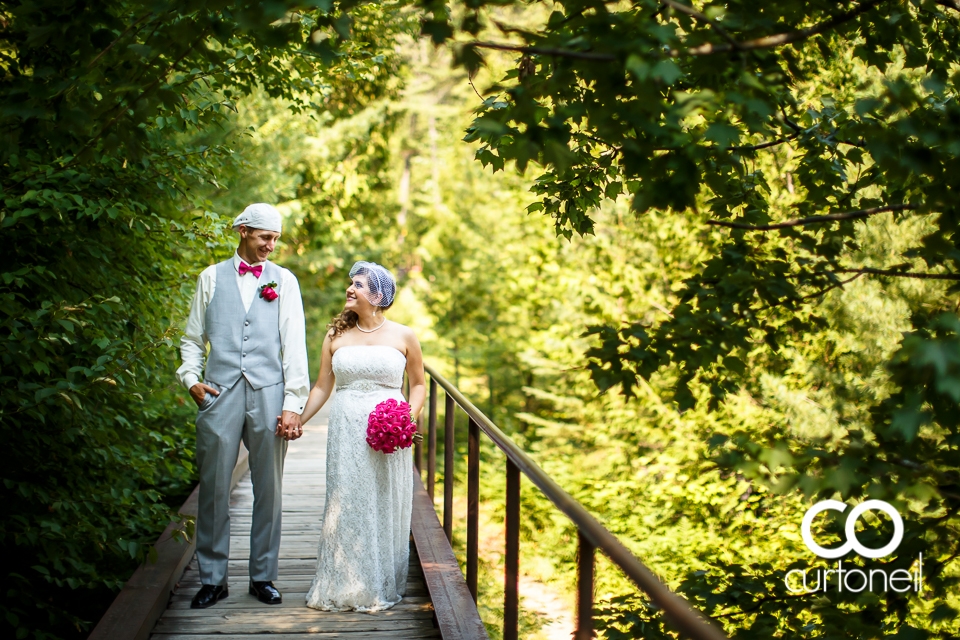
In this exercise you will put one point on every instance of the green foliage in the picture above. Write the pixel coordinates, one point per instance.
(710, 498)
(809, 149)
(803, 362)
(652, 101)
(117, 137)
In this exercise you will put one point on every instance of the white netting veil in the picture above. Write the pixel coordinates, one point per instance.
(381, 287)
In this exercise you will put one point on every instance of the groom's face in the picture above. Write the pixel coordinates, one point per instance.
(257, 243)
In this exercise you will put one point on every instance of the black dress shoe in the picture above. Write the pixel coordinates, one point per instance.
(208, 596)
(265, 592)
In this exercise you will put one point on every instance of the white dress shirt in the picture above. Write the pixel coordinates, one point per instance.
(293, 333)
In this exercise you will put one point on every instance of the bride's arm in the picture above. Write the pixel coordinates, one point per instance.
(320, 392)
(418, 381)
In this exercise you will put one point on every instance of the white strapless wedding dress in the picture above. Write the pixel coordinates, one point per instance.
(364, 542)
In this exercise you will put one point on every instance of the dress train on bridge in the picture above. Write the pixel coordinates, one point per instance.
(364, 551)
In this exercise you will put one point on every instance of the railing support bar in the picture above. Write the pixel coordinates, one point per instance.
(449, 446)
(432, 440)
(473, 505)
(585, 559)
(417, 456)
(511, 595)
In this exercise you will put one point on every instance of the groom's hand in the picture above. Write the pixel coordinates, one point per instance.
(289, 426)
(199, 391)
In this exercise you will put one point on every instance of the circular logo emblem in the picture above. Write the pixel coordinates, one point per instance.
(849, 530)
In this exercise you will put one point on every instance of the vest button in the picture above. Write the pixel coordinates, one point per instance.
(243, 355)
(243, 369)
(246, 323)
(245, 338)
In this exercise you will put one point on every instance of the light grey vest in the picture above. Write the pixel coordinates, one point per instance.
(243, 343)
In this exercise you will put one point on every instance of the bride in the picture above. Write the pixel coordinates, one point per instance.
(364, 542)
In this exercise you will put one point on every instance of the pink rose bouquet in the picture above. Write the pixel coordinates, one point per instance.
(390, 426)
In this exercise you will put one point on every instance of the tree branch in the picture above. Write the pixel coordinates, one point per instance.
(690, 11)
(600, 141)
(902, 274)
(830, 217)
(763, 145)
(765, 42)
(120, 108)
(779, 39)
(836, 285)
(118, 39)
(563, 53)
(815, 294)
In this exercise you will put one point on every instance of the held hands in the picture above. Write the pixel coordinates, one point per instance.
(289, 426)
(199, 391)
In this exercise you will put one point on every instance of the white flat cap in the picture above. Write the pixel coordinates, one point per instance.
(259, 216)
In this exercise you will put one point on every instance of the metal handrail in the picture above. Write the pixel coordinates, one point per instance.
(592, 534)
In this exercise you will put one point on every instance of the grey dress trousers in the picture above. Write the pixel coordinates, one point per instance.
(245, 365)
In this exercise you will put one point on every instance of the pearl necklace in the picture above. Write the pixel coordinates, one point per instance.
(370, 330)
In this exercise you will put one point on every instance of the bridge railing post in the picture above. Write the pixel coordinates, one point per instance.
(473, 505)
(511, 595)
(585, 562)
(417, 453)
(432, 440)
(449, 447)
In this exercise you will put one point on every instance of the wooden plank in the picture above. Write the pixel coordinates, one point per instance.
(244, 519)
(239, 566)
(307, 566)
(414, 579)
(297, 592)
(144, 597)
(456, 611)
(297, 523)
(281, 622)
(297, 586)
(251, 604)
(296, 526)
(320, 635)
(298, 508)
(398, 611)
(305, 534)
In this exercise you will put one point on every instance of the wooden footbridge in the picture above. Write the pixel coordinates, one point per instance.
(440, 600)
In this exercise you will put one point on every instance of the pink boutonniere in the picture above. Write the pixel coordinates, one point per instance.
(269, 292)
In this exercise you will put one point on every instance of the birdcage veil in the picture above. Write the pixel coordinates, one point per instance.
(381, 287)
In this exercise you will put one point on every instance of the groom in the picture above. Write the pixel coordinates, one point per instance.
(250, 312)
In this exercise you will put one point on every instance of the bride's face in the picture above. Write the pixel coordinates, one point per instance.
(357, 295)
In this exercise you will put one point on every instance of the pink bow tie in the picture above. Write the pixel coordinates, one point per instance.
(245, 269)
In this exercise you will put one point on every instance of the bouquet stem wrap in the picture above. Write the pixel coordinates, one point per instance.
(390, 426)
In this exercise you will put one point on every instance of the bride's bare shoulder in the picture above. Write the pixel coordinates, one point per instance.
(408, 337)
(402, 330)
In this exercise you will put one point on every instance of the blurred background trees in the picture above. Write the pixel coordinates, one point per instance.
(748, 371)
(118, 142)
